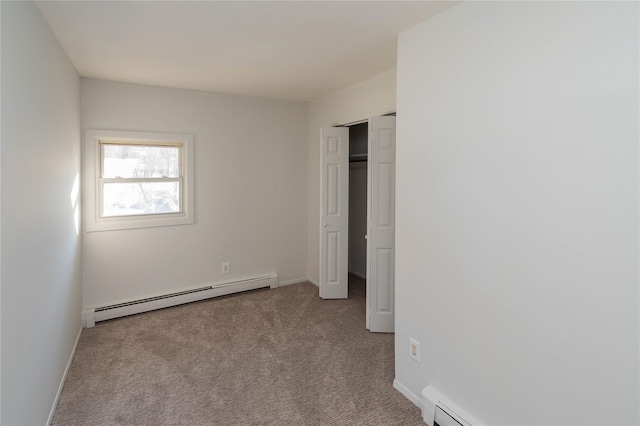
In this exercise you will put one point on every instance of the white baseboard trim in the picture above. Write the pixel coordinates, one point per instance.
(314, 282)
(294, 281)
(407, 393)
(64, 378)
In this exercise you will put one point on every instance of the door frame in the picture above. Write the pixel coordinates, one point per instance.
(362, 119)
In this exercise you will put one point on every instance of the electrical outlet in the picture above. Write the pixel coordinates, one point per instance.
(414, 349)
(226, 268)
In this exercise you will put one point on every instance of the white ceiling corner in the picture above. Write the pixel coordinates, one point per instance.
(297, 50)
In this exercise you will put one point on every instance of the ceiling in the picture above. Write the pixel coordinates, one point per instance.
(297, 50)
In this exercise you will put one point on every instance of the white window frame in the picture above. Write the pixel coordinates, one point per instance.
(93, 181)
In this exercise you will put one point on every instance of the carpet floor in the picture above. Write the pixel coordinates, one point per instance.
(265, 357)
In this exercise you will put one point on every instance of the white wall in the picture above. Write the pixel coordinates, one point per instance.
(361, 101)
(517, 211)
(250, 192)
(0, 216)
(41, 288)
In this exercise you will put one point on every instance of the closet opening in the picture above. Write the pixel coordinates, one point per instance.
(357, 227)
(358, 156)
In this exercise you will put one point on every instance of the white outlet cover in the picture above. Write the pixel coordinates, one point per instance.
(414, 349)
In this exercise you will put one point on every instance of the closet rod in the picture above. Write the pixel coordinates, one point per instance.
(355, 158)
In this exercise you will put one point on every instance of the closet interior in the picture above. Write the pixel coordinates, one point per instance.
(358, 151)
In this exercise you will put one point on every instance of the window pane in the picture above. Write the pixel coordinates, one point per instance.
(126, 199)
(140, 161)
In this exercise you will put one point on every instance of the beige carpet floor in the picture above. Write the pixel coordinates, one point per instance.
(266, 357)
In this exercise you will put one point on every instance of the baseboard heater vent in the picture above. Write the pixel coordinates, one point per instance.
(131, 307)
(438, 411)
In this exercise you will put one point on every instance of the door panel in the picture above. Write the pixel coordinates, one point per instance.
(381, 237)
(333, 257)
(386, 195)
(333, 190)
(334, 215)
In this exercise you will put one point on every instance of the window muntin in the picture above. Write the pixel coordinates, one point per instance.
(140, 178)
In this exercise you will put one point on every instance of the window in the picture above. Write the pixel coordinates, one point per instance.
(137, 180)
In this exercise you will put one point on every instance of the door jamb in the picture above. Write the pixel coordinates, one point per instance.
(352, 122)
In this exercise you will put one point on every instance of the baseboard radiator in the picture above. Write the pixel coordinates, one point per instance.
(131, 307)
(438, 411)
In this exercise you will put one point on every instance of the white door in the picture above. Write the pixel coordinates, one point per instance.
(381, 234)
(334, 214)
